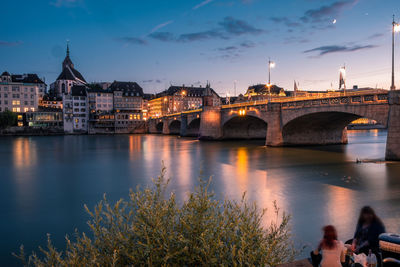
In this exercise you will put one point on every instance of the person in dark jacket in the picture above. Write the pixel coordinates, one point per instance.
(368, 229)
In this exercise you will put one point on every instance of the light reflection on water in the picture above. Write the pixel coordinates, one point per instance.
(46, 180)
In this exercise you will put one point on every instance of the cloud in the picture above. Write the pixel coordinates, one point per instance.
(286, 21)
(375, 36)
(327, 12)
(198, 36)
(152, 81)
(60, 3)
(162, 36)
(247, 44)
(132, 40)
(227, 48)
(227, 28)
(160, 26)
(205, 2)
(238, 27)
(5, 43)
(324, 50)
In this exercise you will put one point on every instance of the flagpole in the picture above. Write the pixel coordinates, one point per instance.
(393, 87)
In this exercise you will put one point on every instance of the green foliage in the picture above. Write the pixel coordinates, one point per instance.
(7, 118)
(151, 229)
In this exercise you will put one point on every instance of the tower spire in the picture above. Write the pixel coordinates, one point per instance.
(67, 48)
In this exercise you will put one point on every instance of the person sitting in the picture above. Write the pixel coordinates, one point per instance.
(368, 229)
(331, 249)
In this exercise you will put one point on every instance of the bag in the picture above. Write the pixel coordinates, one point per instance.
(315, 259)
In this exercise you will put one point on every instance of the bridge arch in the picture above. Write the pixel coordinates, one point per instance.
(193, 127)
(320, 126)
(174, 127)
(159, 127)
(244, 127)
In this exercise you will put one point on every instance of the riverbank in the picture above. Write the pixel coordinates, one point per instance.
(31, 131)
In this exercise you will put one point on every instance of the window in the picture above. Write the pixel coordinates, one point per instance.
(6, 95)
(16, 102)
(26, 109)
(16, 110)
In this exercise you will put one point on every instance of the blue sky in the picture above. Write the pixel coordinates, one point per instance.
(158, 43)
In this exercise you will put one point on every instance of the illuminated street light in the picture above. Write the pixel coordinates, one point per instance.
(395, 28)
(271, 65)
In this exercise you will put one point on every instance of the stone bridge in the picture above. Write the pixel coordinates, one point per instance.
(319, 121)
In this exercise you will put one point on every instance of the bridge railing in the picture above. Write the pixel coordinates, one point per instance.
(303, 98)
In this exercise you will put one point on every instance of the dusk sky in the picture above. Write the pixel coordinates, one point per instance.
(158, 43)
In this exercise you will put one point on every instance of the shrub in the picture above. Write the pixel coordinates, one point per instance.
(152, 229)
(7, 118)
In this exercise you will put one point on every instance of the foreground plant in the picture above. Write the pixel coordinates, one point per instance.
(152, 229)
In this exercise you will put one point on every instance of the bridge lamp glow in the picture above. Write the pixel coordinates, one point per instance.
(396, 27)
(272, 64)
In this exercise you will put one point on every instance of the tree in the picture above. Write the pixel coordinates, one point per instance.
(152, 229)
(7, 119)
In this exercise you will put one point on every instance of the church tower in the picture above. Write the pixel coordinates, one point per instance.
(68, 77)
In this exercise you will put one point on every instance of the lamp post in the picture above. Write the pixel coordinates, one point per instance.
(271, 65)
(395, 28)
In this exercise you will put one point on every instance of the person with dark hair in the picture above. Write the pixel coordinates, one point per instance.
(332, 250)
(366, 236)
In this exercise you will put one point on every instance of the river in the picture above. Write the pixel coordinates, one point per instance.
(45, 181)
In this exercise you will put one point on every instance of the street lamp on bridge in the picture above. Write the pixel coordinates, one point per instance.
(271, 65)
(395, 28)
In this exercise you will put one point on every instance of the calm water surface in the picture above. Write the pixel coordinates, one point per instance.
(44, 181)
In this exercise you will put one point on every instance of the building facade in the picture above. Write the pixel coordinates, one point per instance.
(20, 93)
(76, 110)
(177, 99)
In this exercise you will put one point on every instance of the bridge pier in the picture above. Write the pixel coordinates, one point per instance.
(393, 138)
(210, 123)
(184, 125)
(274, 130)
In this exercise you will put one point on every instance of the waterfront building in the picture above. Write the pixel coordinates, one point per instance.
(68, 77)
(76, 110)
(20, 93)
(181, 98)
(100, 100)
(45, 117)
(128, 106)
(51, 102)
